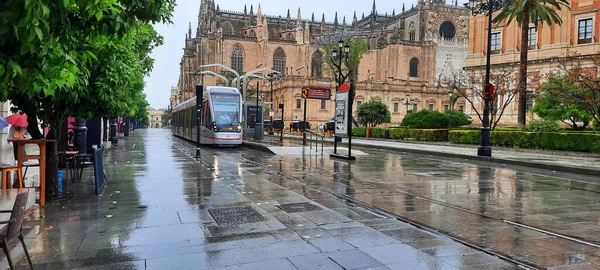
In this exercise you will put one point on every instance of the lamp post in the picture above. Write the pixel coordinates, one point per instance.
(339, 54)
(271, 77)
(487, 8)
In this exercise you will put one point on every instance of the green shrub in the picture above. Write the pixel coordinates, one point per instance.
(359, 131)
(426, 119)
(378, 132)
(458, 119)
(542, 126)
(398, 133)
(595, 124)
(464, 136)
(437, 135)
(582, 142)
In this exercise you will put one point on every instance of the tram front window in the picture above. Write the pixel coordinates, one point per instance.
(226, 111)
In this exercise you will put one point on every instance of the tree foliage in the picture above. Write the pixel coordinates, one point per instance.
(557, 102)
(526, 12)
(457, 119)
(426, 119)
(373, 113)
(469, 85)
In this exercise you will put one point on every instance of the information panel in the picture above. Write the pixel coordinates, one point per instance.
(341, 114)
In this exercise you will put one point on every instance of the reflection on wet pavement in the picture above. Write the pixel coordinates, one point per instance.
(160, 205)
(468, 202)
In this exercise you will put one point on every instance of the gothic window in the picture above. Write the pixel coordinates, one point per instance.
(396, 106)
(412, 32)
(414, 67)
(317, 65)
(323, 104)
(237, 58)
(447, 30)
(279, 60)
(431, 107)
(298, 104)
(585, 31)
(446, 107)
(227, 29)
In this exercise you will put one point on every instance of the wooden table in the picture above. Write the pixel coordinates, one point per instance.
(41, 158)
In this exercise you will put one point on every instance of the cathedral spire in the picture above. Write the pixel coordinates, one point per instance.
(323, 24)
(374, 11)
(344, 24)
(456, 3)
(299, 19)
(363, 16)
(190, 30)
(403, 9)
(393, 12)
(259, 17)
(354, 19)
(313, 17)
(288, 20)
(245, 10)
(251, 9)
(335, 21)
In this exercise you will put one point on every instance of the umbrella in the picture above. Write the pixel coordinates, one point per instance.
(3, 122)
(17, 120)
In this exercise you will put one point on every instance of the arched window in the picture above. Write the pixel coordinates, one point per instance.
(227, 29)
(412, 31)
(447, 30)
(414, 67)
(317, 65)
(279, 60)
(237, 58)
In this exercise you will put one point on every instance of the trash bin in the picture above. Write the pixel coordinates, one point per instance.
(386, 133)
(258, 131)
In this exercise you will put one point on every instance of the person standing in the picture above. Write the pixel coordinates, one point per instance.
(15, 133)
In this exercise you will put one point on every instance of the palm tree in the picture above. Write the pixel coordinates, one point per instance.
(525, 12)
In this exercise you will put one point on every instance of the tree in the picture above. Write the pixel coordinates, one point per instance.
(348, 70)
(54, 60)
(557, 102)
(469, 85)
(527, 12)
(373, 113)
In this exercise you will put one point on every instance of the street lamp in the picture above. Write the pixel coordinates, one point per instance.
(342, 53)
(271, 77)
(408, 101)
(487, 8)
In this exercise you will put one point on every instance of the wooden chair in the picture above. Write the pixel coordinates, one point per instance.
(5, 172)
(14, 228)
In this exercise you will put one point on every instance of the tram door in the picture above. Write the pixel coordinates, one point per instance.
(253, 120)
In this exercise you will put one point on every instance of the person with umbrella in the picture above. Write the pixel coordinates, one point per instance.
(17, 131)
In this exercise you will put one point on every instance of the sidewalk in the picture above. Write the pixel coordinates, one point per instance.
(163, 209)
(572, 162)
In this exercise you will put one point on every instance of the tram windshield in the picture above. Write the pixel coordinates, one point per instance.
(226, 109)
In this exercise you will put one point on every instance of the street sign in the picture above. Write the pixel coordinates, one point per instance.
(310, 92)
(344, 87)
(341, 114)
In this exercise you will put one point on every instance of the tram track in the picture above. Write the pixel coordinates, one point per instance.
(514, 259)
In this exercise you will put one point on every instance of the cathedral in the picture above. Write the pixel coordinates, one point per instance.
(408, 51)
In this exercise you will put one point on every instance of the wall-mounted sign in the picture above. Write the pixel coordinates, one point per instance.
(310, 92)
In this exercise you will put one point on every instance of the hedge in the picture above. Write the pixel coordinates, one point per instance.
(414, 134)
(359, 131)
(582, 142)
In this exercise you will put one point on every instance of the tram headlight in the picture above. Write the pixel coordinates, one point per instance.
(215, 129)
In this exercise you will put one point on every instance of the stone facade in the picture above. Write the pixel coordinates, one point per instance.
(547, 47)
(430, 35)
(155, 116)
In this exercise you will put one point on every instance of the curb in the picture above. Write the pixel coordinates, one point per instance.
(258, 146)
(551, 167)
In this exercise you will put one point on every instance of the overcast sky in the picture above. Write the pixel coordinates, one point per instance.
(166, 67)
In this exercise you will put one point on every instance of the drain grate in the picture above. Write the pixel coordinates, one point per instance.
(298, 207)
(235, 215)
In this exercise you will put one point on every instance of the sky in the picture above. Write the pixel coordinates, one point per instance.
(167, 57)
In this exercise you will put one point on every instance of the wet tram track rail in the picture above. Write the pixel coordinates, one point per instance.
(521, 260)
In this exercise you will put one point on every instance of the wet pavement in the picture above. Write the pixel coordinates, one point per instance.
(537, 218)
(236, 208)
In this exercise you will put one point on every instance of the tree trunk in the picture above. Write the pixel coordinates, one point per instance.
(51, 155)
(522, 87)
(32, 126)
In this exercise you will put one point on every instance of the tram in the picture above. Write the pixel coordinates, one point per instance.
(221, 118)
